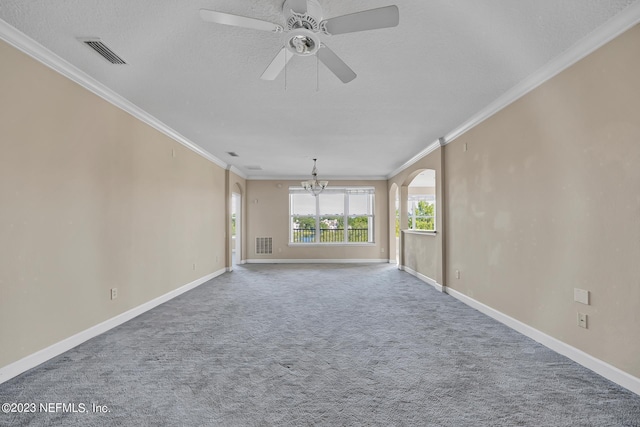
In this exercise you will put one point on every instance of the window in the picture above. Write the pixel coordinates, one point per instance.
(397, 213)
(337, 215)
(421, 212)
(421, 201)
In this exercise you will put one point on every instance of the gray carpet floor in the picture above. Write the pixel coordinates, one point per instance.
(334, 345)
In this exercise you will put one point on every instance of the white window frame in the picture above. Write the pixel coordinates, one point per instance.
(412, 204)
(346, 215)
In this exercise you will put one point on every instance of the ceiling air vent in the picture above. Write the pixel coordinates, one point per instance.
(103, 50)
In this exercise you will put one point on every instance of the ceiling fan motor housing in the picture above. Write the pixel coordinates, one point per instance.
(314, 13)
(302, 28)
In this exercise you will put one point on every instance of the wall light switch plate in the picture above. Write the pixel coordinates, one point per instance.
(581, 296)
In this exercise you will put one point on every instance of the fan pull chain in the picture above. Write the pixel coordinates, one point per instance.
(317, 74)
(285, 70)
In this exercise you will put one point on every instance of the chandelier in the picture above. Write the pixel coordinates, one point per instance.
(314, 186)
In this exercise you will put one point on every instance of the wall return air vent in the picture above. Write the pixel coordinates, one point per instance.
(104, 50)
(264, 245)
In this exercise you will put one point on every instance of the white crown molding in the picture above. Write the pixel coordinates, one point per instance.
(16, 368)
(605, 33)
(593, 41)
(598, 366)
(430, 149)
(41, 54)
(327, 178)
(238, 172)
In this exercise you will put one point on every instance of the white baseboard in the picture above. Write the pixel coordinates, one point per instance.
(598, 366)
(316, 261)
(16, 368)
(422, 277)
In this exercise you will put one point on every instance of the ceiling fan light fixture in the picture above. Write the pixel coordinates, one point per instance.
(314, 186)
(302, 42)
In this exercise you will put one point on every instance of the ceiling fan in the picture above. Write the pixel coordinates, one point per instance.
(304, 23)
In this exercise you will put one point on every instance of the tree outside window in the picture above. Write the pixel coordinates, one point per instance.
(421, 201)
(421, 215)
(322, 219)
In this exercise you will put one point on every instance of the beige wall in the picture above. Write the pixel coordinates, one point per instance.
(268, 216)
(419, 251)
(91, 199)
(547, 198)
(421, 190)
(422, 254)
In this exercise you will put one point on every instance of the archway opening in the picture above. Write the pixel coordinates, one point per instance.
(421, 201)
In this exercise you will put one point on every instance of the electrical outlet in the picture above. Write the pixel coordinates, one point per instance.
(194, 265)
(381, 250)
(457, 274)
(114, 293)
(582, 320)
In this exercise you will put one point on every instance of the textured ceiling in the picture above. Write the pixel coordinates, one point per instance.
(446, 61)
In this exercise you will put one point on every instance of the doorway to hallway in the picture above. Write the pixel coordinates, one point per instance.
(236, 229)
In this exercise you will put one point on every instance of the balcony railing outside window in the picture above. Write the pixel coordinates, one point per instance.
(337, 215)
(330, 235)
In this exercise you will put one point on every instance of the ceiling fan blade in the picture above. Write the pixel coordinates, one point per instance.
(298, 6)
(371, 19)
(238, 21)
(335, 64)
(277, 65)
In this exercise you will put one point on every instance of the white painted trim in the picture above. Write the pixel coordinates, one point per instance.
(316, 261)
(16, 368)
(424, 153)
(238, 172)
(38, 52)
(593, 41)
(600, 367)
(422, 277)
(324, 177)
(420, 232)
